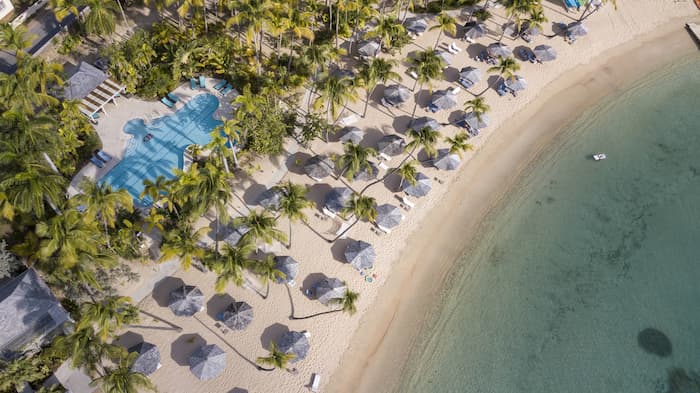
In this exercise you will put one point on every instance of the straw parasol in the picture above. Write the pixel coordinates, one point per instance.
(318, 167)
(368, 48)
(186, 301)
(337, 199)
(516, 83)
(471, 74)
(289, 266)
(396, 95)
(208, 362)
(471, 121)
(330, 288)
(416, 25)
(237, 316)
(474, 30)
(352, 134)
(422, 122)
(577, 29)
(442, 100)
(446, 57)
(391, 145)
(148, 360)
(294, 343)
(235, 234)
(421, 188)
(388, 216)
(509, 29)
(270, 199)
(446, 161)
(499, 49)
(545, 53)
(360, 255)
(366, 173)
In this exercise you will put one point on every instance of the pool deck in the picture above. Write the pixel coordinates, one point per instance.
(110, 127)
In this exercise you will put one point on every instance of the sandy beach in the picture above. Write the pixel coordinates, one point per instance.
(364, 352)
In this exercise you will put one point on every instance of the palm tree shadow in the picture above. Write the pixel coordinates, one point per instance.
(238, 390)
(184, 346)
(163, 288)
(217, 304)
(272, 333)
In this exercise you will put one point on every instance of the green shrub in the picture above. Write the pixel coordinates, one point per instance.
(157, 83)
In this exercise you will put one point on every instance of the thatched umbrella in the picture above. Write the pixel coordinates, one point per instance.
(446, 57)
(366, 173)
(391, 145)
(499, 49)
(476, 123)
(474, 30)
(446, 161)
(368, 48)
(330, 288)
(318, 167)
(148, 360)
(442, 100)
(421, 188)
(388, 216)
(416, 25)
(516, 83)
(289, 266)
(577, 29)
(337, 199)
(270, 199)
(545, 53)
(208, 362)
(360, 255)
(186, 301)
(294, 343)
(396, 95)
(422, 122)
(237, 316)
(509, 29)
(235, 234)
(352, 134)
(471, 74)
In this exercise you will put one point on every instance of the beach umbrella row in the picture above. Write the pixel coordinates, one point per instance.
(270, 198)
(442, 100)
(422, 122)
(474, 30)
(148, 359)
(470, 120)
(577, 29)
(369, 48)
(445, 56)
(499, 49)
(366, 173)
(469, 76)
(388, 216)
(416, 25)
(516, 83)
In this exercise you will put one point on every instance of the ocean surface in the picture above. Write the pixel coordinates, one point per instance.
(586, 278)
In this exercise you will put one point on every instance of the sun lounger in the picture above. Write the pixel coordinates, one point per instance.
(454, 90)
(455, 47)
(328, 213)
(202, 82)
(342, 231)
(315, 383)
(466, 83)
(433, 108)
(193, 83)
(306, 333)
(103, 156)
(385, 230)
(407, 201)
(451, 50)
(413, 75)
(384, 157)
(167, 102)
(97, 162)
(226, 89)
(383, 166)
(172, 97)
(220, 85)
(469, 40)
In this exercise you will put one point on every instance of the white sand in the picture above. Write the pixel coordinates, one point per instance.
(406, 253)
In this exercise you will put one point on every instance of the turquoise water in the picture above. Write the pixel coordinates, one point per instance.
(191, 124)
(587, 278)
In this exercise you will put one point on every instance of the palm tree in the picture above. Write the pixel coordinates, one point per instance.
(101, 20)
(374, 71)
(100, 202)
(426, 138)
(157, 189)
(334, 91)
(196, 6)
(230, 128)
(154, 219)
(120, 379)
(15, 38)
(229, 263)
(40, 72)
(458, 143)
(7, 211)
(346, 303)
(64, 238)
(427, 66)
(355, 159)
(478, 106)
(299, 22)
(445, 23)
(408, 173)
(85, 349)
(363, 207)
(31, 186)
(182, 242)
(252, 14)
(387, 28)
(19, 92)
(109, 315)
(292, 204)
(537, 19)
(277, 359)
(505, 68)
(267, 271)
(517, 9)
(262, 226)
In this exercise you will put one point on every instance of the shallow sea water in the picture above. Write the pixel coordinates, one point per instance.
(586, 278)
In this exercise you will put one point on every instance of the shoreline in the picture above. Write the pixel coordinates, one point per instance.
(390, 328)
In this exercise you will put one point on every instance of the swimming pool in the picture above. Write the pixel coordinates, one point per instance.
(161, 154)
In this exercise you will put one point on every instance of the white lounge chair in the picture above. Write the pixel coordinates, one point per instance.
(408, 202)
(455, 48)
(454, 90)
(328, 213)
(306, 333)
(383, 166)
(315, 383)
(413, 75)
(451, 50)
(385, 230)
(384, 157)
(343, 227)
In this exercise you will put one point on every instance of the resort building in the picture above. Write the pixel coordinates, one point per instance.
(29, 314)
(93, 88)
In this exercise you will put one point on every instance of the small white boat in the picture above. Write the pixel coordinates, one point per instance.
(599, 156)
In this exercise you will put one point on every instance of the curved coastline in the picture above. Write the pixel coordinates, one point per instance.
(375, 359)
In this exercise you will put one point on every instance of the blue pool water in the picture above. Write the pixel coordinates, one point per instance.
(159, 156)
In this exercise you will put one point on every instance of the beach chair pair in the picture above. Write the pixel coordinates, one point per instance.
(100, 158)
(170, 100)
(453, 48)
(466, 83)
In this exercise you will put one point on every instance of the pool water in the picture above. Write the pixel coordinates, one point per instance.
(159, 156)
